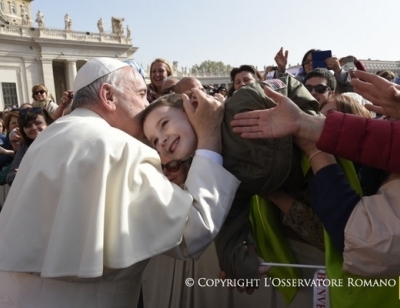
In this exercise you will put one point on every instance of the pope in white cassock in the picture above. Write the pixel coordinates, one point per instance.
(90, 205)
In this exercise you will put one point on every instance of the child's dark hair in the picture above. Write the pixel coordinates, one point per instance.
(171, 100)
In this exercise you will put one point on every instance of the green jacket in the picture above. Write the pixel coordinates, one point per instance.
(262, 166)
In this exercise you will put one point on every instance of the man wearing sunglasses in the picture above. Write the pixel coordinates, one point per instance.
(321, 83)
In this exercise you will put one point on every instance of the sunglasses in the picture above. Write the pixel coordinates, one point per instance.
(168, 90)
(39, 92)
(319, 88)
(25, 111)
(174, 165)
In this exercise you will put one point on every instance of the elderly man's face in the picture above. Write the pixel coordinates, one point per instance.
(131, 103)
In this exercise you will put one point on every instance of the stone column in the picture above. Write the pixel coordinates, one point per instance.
(30, 73)
(48, 75)
(71, 74)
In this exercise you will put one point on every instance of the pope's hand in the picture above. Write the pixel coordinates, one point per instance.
(205, 115)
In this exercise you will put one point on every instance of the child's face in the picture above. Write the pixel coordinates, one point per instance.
(170, 133)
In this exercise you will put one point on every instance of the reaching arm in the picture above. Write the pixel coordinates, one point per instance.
(372, 142)
(382, 93)
(367, 134)
(283, 120)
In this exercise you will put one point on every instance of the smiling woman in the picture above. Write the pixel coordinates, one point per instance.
(42, 98)
(159, 70)
(31, 121)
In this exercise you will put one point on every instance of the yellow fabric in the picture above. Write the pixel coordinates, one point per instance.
(272, 244)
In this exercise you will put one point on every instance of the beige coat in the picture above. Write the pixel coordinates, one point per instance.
(372, 234)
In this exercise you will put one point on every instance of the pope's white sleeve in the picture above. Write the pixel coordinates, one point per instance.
(213, 189)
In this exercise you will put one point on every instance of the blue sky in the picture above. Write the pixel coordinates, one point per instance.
(239, 31)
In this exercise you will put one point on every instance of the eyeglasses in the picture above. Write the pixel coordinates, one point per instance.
(319, 88)
(174, 165)
(308, 61)
(168, 90)
(25, 111)
(40, 92)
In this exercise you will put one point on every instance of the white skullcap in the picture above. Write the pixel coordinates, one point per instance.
(95, 69)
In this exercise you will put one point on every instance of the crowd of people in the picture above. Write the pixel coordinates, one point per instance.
(276, 168)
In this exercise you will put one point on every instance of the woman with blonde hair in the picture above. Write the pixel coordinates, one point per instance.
(159, 70)
(388, 75)
(42, 98)
(345, 104)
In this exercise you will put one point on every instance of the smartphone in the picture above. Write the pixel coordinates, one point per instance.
(319, 57)
(348, 59)
(347, 66)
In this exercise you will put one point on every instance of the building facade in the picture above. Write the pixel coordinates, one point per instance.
(31, 53)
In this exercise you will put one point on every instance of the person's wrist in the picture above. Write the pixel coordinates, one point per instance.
(310, 127)
(210, 142)
(337, 69)
(321, 160)
(281, 69)
(314, 153)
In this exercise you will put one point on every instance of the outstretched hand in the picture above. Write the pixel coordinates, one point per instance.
(280, 121)
(382, 93)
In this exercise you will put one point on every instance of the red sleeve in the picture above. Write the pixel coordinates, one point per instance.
(372, 142)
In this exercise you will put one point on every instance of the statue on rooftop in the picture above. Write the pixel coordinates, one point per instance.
(100, 25)
(68, 22)
(40, 19)
(24, 15)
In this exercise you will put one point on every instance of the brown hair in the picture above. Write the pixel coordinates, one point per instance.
(8, 119)
(388, 75)
(30, 116)
(347, 104)
(243, 68)
(170, 100)
(4, 126)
